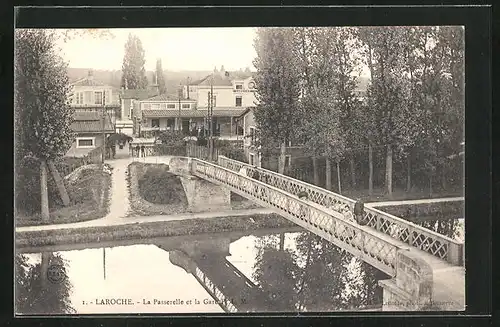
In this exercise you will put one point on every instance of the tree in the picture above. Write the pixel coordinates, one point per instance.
(34, 293)
(277, 84)
(41, 104)
(133, 71)
(388, 111)
(160, 78)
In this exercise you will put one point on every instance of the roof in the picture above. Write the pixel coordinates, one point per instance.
(139, 94)
(246, 111)
(86, 81)
(165, 97)
(192, 113)
(91, 115)
(218, 80)
(91, 126)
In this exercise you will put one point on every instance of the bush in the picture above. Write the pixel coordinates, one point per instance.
(159, 186)
(27, 187)
(172, 138)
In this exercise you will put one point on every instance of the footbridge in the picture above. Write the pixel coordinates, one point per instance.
(427, 267)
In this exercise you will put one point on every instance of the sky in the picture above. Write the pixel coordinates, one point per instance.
(178, 48)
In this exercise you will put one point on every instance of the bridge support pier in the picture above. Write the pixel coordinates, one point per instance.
(412, 288)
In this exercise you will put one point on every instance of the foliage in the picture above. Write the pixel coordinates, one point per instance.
(34, 294)
(160, 78)
(277, 83)
(27, 188)
(159, 186)
(41, 97)
(118, 138)
(133, 71)
(172, 138)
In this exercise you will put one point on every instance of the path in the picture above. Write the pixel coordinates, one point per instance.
(408, 202)
(147, 219)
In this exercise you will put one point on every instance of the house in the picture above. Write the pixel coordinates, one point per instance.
(189, 111)
(89, 128)
(91, 103)
(125, 119)
(253, 151)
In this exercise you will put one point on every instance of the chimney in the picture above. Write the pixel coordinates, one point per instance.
(90, 74)
(222, 70)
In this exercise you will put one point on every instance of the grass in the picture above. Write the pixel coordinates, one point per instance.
(149, 230)
(83, 206)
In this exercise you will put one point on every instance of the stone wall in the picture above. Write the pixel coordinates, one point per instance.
(204, 196)
(411, 289)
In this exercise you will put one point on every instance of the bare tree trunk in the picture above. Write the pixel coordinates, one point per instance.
(370, 164)
(44, 267)
(60, 183)
(281, 161)
(282, 241)
(353, 172)
(338, 177)
(44, 192)
(430, 184)
(408, 176)
(388, 171)
(315, 170)
(328, 174)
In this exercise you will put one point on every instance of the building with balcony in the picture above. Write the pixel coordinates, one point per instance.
(129, 98)
(95, 108)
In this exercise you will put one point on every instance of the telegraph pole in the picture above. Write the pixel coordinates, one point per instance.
(103, 126)
(210, 117)
(180, 93)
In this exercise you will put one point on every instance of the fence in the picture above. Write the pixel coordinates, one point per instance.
(201, 152)
(371, 246)
(422, 238)
(67, 165)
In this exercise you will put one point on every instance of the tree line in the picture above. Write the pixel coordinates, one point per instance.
(412, 110)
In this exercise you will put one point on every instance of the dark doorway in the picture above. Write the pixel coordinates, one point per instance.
(185, 126)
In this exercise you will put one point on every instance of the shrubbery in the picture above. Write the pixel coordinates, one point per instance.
(27, 188)
(159, 186)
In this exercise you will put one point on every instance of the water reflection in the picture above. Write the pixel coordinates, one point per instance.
(274, 270)
(36, 291)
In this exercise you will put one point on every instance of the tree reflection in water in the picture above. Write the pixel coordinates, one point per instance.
(35, 294)
(318, 276)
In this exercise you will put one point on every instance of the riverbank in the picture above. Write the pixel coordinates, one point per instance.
(149, 227)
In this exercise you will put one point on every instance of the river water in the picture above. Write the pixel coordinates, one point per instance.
(269, 270)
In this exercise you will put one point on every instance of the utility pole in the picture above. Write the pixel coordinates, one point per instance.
(179, 93)
(103, 126)
(210, 117)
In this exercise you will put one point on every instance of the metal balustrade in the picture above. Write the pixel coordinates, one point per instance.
(221, 299)
(362, 242)
(441, 246)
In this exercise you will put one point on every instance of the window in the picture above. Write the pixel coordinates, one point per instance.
(170, 122)
(155, 106)
(85, 142)
(186, 106)
(171, 106)
(239, 86)
(147, 106)
(131, 113)
(215, 101)
(97, 97)
(288, 161)
(238, 101)
(251, 159)
(252, 135)
(163, 106)
(155, 123)
(79, 98)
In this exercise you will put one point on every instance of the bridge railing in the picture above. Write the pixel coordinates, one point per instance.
(422, 238)
(219, 296)
(378, 251)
